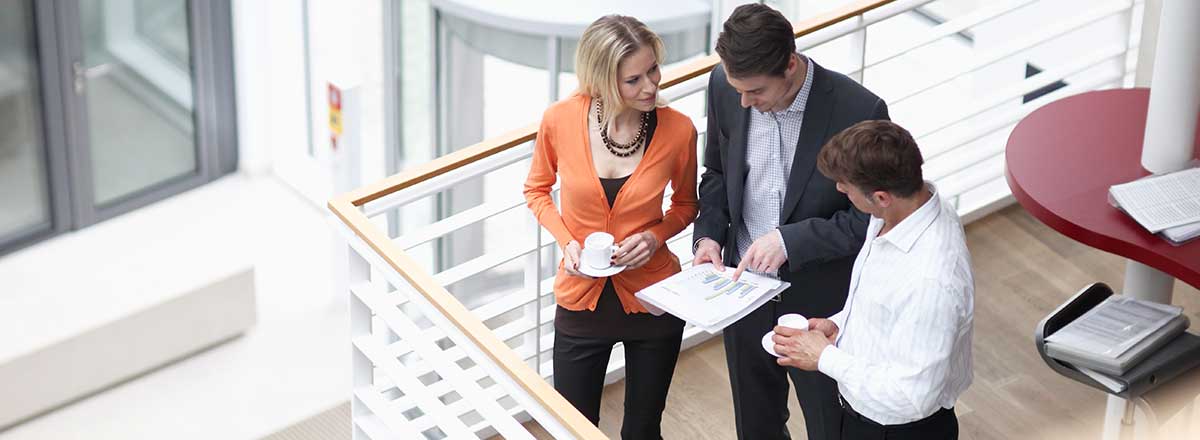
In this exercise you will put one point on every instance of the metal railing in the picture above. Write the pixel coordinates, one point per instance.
(463, 351)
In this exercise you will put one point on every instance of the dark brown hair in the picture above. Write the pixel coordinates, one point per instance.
(874, 156)
(756, 40)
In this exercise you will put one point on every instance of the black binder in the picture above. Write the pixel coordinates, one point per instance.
(1176, 357)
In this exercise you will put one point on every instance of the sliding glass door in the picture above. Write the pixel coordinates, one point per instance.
(138, 85)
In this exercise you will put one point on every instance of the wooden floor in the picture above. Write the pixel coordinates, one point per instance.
(1022, 270)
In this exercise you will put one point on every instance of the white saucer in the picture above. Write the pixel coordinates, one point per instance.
(769, 345)
(598, 273)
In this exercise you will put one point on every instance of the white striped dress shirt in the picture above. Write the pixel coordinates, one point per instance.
(904, 347)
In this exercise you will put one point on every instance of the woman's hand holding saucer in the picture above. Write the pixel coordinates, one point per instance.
(571, 259)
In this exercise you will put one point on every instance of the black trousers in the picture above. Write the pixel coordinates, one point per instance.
(580, 364)
(942, 425)
(760, 386)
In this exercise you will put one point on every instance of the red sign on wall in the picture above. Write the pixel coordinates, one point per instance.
(335, 115)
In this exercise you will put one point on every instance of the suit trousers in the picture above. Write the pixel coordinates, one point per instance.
(580, 364)
(760, 385)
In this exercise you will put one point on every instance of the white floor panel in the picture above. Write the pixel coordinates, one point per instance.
(291, 365)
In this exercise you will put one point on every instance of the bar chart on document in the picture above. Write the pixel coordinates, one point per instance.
(709, 298)
(715, 287)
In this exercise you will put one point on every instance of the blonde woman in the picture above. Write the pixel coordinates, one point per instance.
(614, 149)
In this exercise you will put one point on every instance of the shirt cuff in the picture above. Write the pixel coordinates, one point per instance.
(839, 319)
(834, 362)
(779, 234)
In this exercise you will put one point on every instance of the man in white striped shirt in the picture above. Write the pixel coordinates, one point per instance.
(900, 349)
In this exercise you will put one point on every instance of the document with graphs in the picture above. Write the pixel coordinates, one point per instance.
(708, 298)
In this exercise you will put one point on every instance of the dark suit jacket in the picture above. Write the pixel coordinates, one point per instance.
(821, 230)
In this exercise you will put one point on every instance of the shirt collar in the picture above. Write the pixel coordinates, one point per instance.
(801, 101)
(906, 233)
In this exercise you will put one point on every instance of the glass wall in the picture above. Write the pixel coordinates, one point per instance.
(104, 108)
(24, 187)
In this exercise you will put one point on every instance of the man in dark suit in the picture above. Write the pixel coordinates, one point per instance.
(770, 110)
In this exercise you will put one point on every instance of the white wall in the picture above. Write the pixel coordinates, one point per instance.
(345, 44)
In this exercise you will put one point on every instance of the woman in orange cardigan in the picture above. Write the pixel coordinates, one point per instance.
(614, 149)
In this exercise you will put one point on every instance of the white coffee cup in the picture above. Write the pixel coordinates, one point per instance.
(794, 320)
(598, 249)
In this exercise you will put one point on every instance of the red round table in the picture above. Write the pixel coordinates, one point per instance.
(1062, 158)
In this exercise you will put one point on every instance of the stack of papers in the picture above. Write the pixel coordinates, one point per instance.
(1117, 334)
(1167, 204)
(710, 299)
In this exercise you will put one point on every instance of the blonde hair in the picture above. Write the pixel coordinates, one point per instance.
(604, 43)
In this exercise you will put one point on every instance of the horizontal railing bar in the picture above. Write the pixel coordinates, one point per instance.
(1016, 46)
(1011, 117)
(441, 182)
(1028, 85)
(485, 262)
(950, 187)
(843, 28)
(984, 171)
(509, 301)
(441, 165)
(467, 217)
(980, 205)
(685, 88)
(952, 27)
(491, 260)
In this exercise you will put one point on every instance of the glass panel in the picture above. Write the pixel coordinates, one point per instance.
(24, 199)
(139, 94)
(164, 25)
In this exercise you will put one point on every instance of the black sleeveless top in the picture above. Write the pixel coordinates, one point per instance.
(609, 320)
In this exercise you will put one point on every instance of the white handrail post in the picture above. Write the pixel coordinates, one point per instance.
(858, 42)
(533, 278)
(359, 272)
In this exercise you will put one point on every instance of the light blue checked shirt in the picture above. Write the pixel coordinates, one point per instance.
(770, 148)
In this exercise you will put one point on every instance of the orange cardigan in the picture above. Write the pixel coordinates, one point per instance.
(562, 152)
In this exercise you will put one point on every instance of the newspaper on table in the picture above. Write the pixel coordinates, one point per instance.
(1161, 202)
(710, 299)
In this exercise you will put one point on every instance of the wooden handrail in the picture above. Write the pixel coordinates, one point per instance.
(345, 207)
